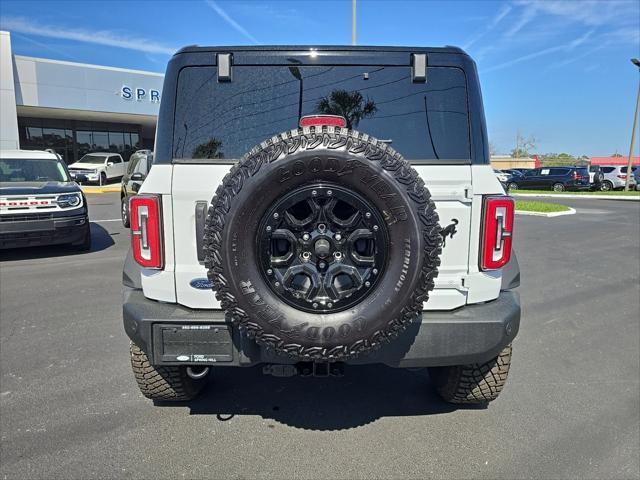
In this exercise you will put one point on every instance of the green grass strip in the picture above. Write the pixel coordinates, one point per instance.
(542, 207)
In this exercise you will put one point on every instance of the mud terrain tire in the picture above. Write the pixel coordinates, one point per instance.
(478, 383)
(162, 382)
(350, 161)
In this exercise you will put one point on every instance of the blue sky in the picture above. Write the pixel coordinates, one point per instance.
(557, 70)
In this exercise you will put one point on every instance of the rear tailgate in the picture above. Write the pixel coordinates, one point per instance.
(449, 185)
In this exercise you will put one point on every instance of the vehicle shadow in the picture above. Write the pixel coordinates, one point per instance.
(365, 394)
(100, 240)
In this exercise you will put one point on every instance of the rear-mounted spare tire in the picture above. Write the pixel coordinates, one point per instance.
(322, 243)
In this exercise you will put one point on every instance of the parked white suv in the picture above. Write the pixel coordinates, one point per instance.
(276, 229)
(99, 167)
(615, 177)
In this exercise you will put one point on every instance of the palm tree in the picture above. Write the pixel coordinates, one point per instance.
(350, 105)
(210, 149)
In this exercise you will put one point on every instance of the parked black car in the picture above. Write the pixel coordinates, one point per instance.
(557, 179)
(139, 166)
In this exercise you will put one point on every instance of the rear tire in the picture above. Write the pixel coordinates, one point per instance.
(124, 212)
(512, 186)
(162, 383)
(558, 187)
(477, 383)
(606, 186)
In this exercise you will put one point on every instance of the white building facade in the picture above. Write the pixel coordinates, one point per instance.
(75, 108)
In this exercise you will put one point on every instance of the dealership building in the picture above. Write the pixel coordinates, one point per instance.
(75, 108)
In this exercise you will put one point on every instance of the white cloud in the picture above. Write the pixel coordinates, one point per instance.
(527, 15)
(503, 12)
(99, 37)
(567, 47)
(588, 12)
(225, 16)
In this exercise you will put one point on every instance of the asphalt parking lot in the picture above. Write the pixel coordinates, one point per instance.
(70, 407)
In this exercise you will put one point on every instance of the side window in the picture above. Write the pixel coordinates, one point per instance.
(558, 171)
(531, 173)
(545, 171)
(141, 166)
(132, 164)
(607, 169)
(115, 159)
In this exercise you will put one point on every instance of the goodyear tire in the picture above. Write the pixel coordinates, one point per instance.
(346, 303)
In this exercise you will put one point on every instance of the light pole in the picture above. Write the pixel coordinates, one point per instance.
(295, 71)
(636, 62)
(353, 22)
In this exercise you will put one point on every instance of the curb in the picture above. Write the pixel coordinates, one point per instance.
(560, 195)
(105, 189)
(571, 211)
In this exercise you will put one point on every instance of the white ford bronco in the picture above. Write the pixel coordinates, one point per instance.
(314, 208)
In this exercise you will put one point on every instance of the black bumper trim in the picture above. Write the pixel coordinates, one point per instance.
(58, 230)
(474, 333)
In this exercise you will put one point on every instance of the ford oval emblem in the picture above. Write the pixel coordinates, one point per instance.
(201, 283)
(182, 358)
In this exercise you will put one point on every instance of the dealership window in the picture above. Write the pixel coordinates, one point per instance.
(59, 135)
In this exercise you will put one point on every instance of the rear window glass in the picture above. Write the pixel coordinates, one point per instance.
(224, 120)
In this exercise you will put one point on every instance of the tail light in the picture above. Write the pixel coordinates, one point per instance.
(497, 232)
(146, 232)
(622, 177)
(575, 175)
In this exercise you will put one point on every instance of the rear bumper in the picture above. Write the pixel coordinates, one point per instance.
(175, 335)
(57, 230)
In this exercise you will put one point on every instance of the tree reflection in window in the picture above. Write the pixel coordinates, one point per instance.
(350, 105)
(210, 149)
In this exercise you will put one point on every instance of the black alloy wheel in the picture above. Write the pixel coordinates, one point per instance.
(322, 248)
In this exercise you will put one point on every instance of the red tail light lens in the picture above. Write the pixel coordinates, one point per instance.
(622, 177)
(319, 120)
(146, 231)
(497, 232)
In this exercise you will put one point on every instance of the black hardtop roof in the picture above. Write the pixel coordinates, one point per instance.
(319, 48)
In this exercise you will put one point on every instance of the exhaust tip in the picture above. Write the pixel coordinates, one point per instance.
(197, 373)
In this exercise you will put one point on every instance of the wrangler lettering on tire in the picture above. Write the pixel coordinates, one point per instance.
(322, 243)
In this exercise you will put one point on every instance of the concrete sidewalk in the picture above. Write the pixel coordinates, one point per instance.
(100, 189)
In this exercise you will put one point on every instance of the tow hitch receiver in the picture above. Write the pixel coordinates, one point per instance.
(305, 369)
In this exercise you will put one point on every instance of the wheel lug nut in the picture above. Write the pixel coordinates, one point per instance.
(276, 215)
(306, 255)
(269, 272)
(375, 227)
(314, 193)
(337, 255)
(329, 192)
(268, 228)
(375, 271)
(367, 284)
(277, 284)
(322, 227)
(315, 305)
(329, 304)
(338, 237)
(322, 264)
(368, 214)
(306, 237)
